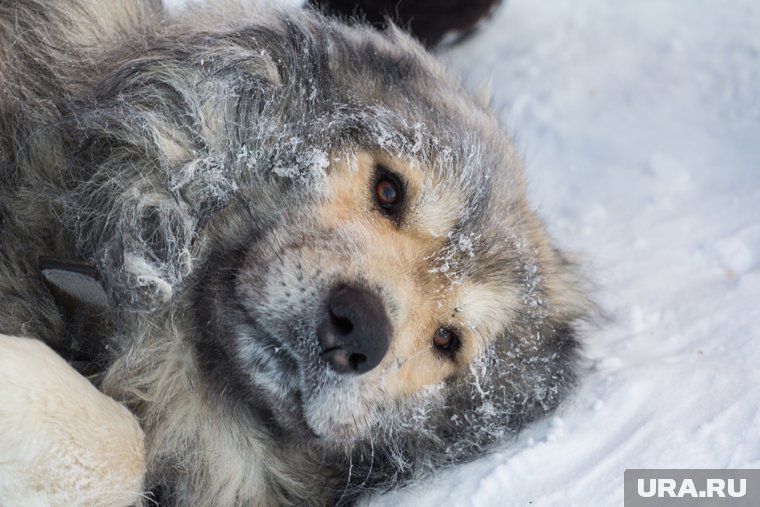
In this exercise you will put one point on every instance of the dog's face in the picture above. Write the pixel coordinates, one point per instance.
(399, 291)
(371, 293)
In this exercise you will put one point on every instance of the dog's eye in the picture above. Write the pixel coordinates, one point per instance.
(446, 341)
(389, 192)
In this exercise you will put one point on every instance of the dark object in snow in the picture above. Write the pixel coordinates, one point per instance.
(428, 20)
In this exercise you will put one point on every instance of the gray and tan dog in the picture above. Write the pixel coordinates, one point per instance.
(320, 276)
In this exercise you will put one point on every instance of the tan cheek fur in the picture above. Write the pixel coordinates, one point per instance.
(478, 313)
(400, 260)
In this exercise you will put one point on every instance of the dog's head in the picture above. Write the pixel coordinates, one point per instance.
(392, 287)
(348, 227)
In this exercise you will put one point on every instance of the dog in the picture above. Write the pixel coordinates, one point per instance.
(300, 252)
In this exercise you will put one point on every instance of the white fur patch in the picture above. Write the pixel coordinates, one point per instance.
(62, 442)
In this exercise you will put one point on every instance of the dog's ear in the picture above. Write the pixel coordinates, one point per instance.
(130, 218)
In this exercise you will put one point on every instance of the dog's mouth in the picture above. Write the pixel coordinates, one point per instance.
(339, 414)
(301, 388)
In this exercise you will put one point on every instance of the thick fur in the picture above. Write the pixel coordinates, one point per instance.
(61, 441)
(218, 169)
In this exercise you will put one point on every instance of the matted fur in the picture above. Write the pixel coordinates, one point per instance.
(217, 168)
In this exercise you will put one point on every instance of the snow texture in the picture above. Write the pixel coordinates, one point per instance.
(640, 126)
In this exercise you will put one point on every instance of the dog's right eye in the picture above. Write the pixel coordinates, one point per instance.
(388, 190)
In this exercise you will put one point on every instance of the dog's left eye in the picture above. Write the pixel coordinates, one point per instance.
(447, 341)
(389, 192)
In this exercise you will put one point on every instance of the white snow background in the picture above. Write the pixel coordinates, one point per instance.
(640, 127)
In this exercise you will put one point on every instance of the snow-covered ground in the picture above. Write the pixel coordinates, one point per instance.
(640, 127)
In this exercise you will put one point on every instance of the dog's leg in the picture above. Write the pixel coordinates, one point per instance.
(62, 442)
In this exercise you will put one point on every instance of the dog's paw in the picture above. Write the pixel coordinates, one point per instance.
(62, 442)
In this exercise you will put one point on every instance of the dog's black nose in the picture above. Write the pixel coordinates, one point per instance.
(355, 331)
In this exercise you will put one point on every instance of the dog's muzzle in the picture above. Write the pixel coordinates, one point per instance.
(355, 332)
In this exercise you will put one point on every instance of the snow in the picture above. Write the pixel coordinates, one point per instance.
(640, 126)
